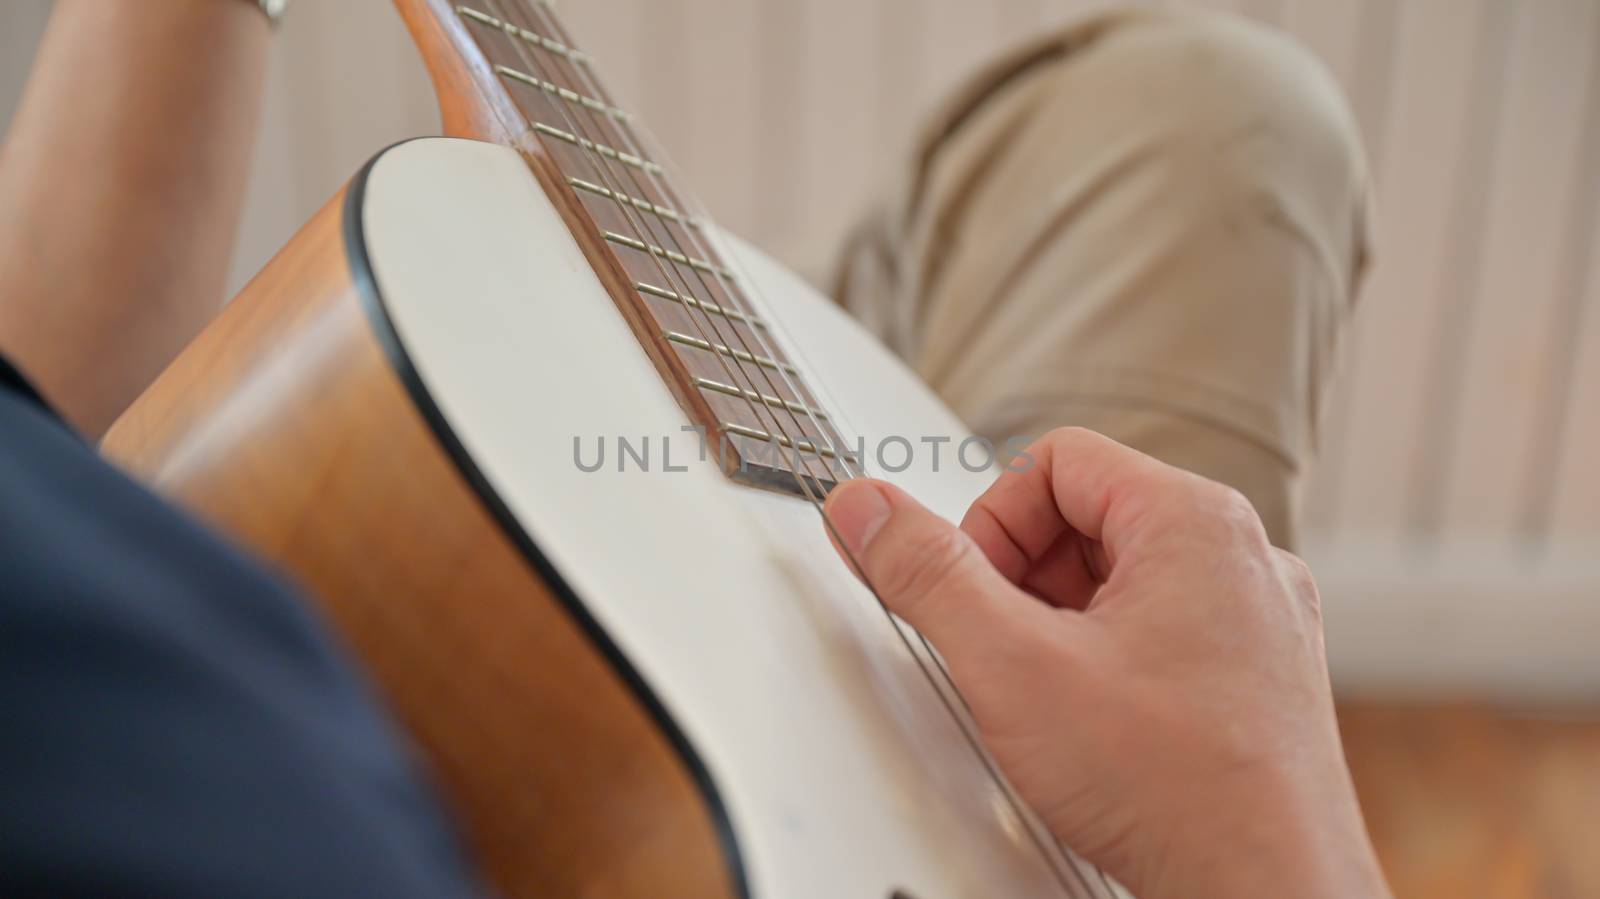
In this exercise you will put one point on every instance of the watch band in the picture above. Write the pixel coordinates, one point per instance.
(274, 10)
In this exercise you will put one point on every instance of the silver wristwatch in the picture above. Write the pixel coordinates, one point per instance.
(274, 10)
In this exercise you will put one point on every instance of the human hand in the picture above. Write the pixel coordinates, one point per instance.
(1146, 669)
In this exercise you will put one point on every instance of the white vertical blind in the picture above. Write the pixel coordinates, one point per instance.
(1472, 407)
(1502, 368)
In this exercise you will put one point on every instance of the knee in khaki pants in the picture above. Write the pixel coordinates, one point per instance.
(1151, 224)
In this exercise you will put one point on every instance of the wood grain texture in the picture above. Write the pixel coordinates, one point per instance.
(502, 68)
(285, 426)
(1469, 802)
(470, 105)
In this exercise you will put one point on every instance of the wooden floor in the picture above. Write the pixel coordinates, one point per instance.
(1467, 802)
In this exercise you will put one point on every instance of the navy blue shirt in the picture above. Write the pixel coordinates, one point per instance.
(175, 720)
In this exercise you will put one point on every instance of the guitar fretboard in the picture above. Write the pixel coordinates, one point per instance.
(687, 305)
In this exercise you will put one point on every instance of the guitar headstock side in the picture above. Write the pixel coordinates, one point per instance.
(472, 103)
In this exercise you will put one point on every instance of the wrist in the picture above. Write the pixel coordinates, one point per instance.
(1299, 838)
(1276, 860)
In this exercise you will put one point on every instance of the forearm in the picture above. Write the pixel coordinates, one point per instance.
(121, 183)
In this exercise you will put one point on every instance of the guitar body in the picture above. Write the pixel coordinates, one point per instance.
(653, 683)
(644, 679)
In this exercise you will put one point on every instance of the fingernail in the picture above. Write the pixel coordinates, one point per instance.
(857, 509)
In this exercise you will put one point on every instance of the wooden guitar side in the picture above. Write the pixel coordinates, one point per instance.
(286, 426)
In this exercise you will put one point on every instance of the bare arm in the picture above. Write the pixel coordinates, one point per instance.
(121, 183)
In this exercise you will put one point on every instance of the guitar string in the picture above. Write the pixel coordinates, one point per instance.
(666, 192)
(689, 205)
(669, 194)
(736, 372)
(640, 223)
(623, 128)
(802, 459)
(595, 164)
(934, 656)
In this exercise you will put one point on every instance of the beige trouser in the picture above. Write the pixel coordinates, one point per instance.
(1151, 224)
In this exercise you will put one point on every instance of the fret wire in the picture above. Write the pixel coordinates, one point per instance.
(602, 149)
(617, 197)
(742, 355)
(1051, 850)
(730, 390)
(670, 215)
(804, 482)
(652, 249)
(624, 130)
(965, 729)
(722, 274)
(670, 238)
(804, 446)
(1040, 843)
(568, 113)
(571, 96)
(539, 40)
(691, 302)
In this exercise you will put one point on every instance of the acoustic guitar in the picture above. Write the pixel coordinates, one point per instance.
(550, 447)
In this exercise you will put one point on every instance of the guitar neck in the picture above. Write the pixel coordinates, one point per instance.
(508, 71)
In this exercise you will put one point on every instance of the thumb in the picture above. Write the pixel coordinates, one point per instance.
(928, 571)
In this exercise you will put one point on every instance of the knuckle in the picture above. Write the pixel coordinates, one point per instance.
(1297, 574)
(1294, 568)
(1233, 505)
(1233, 512)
